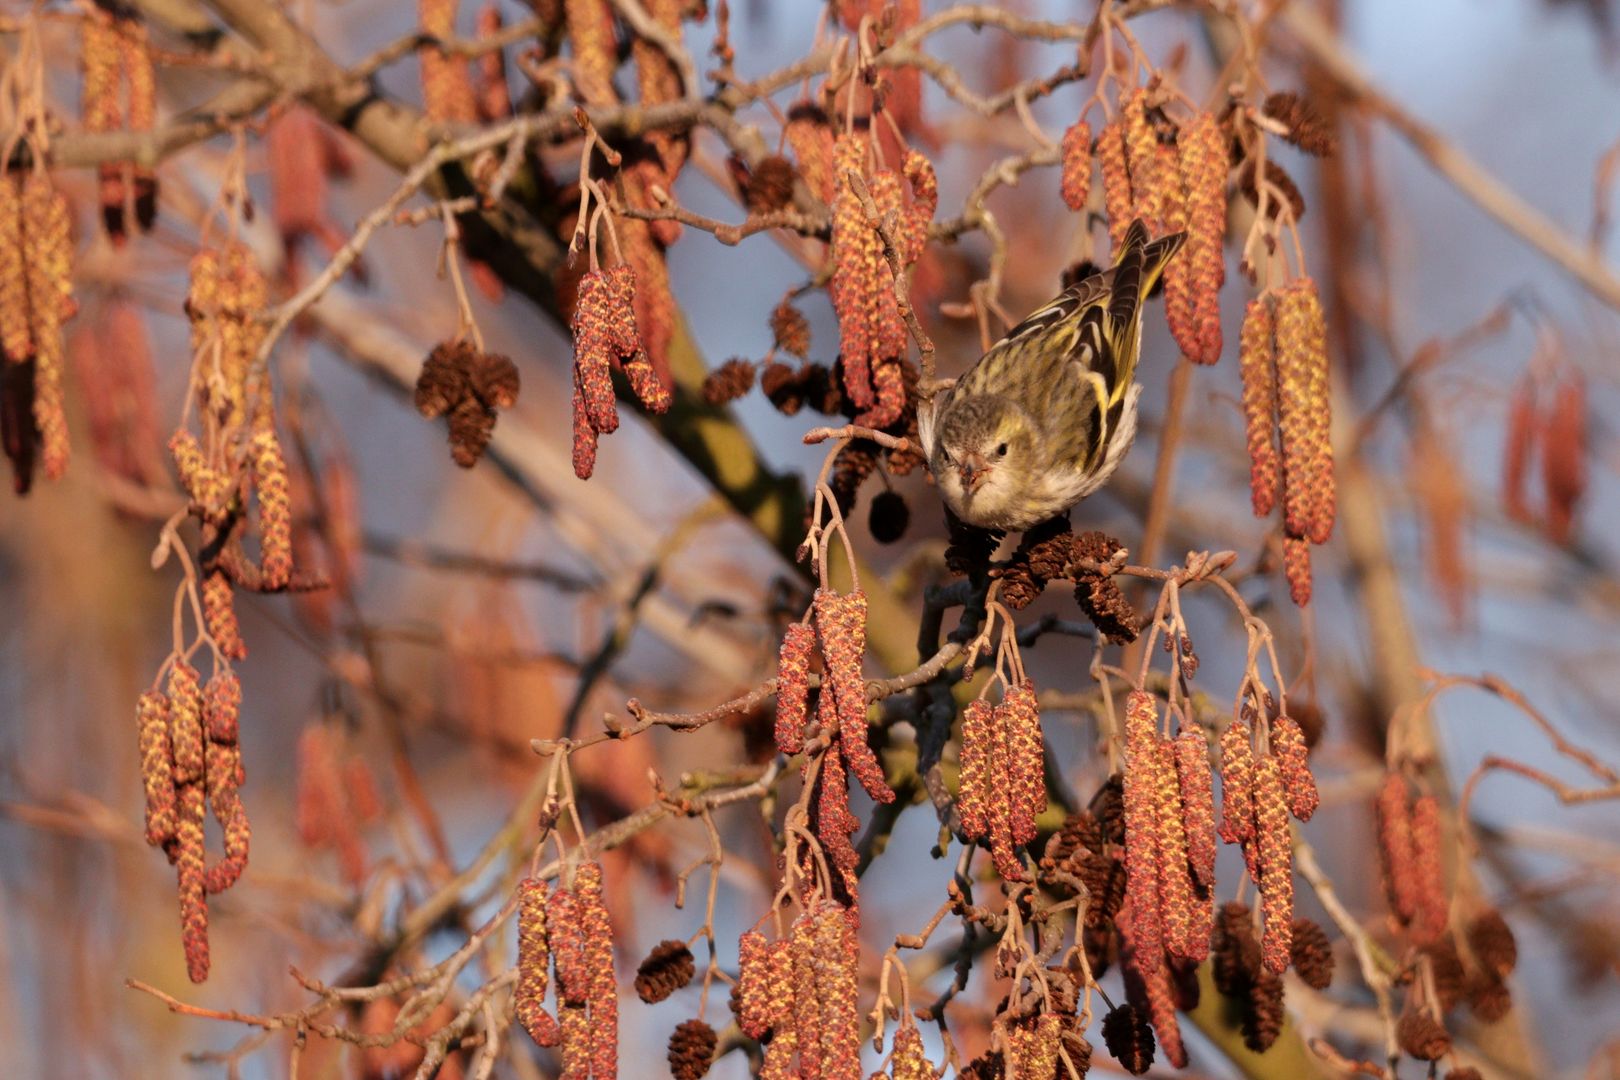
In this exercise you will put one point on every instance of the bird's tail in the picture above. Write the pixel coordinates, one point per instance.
(1137, 269)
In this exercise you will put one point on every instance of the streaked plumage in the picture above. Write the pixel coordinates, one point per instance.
(1045, 417)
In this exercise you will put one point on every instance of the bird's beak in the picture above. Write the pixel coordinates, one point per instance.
(973, 471)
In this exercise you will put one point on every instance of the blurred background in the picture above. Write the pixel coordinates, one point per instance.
(477, 600)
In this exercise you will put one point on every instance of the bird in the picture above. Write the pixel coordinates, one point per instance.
(1044, 417)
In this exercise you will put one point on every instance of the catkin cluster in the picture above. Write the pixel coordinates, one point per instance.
(119, 94)
(191, 764)
(837, 634)
(604, 334)
(872, 333)
(466, 385)
(1287, 411)
(1002, 787)
(803, 992)
(334, 797)
(1258, 794)
(1557, 428)
(570, 930)
(36, 298)
(1170, 867)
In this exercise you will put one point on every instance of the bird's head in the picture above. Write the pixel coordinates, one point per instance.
(985, 445)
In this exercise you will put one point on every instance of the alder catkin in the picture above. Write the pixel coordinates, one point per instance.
(1143, 863)
(157, 766)
(275, 508)
(1433, 904)
(793, 687)
(533, 962)
(1075, 184)
(1275, 859)
(1395, 847)
(973, 794)
(603, 992)
(1257, 367)
(1293, 759)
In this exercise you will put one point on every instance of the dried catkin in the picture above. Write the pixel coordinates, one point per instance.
(157, 766)
(1275, 859)
(1433, 903)
(793, 687)
(533, 963)
(1143, 864)
(790, 330)
(1075, 183)
(1395, 848)
(1149, 991)
(1203, 171)
(1293, 759)
(1258, 370)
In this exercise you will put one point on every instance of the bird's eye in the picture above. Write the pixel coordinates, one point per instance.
(1001, 451)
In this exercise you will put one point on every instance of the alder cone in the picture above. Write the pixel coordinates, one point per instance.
(665, 970)
(1129, 1038)
(691, 1049)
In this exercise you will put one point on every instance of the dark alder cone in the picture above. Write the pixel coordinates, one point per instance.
(770, 184)
(1263, 1014)
(1075, 1045)
(1492, 941)
(970, 547)
(728, 382)
(1235, 950)
(691, 1049)
(1043, 554)
(850, 469)
(1108, 807)
(1467, 1072)
(667, 968)
(1099, 943)
(1078, 832)
(494, 379)
(1281, 181)
(790, 330)
(1447, 972)
(1105, 605)
(1129, 1038)
(1488, 997)
(1312, 954)
(987, 1066)
(1421, 1035)
(1306, 127)
(471, 425)
(783, 388)
(442, 384)
(888, 517)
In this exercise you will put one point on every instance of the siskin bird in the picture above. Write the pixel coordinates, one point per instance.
(1045, 417)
